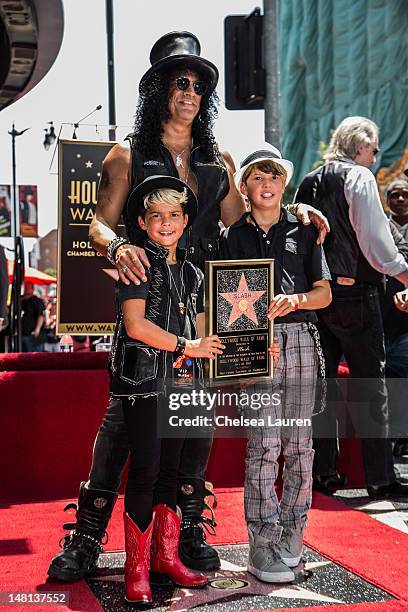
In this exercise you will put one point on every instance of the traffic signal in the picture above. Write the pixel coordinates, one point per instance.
(244, 61)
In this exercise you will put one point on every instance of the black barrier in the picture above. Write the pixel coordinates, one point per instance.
(15, 303)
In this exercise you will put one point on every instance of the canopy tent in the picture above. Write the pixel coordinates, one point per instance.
(340, 58)
(31, 275)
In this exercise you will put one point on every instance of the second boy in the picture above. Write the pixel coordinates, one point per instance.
(301, 285)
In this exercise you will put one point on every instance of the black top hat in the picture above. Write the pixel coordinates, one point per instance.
(134, 202)
(180, 50)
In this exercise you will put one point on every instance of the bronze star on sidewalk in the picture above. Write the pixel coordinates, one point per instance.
(238, 584)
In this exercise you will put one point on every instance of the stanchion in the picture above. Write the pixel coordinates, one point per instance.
(15, 309)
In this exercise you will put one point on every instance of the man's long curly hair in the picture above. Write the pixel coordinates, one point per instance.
(152, 112)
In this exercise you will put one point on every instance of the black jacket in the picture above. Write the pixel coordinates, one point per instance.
(136, 368)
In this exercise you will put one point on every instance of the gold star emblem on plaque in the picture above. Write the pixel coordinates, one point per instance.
(242, 301)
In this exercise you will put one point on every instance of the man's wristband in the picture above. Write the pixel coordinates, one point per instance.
(113, 246)
(180, 346)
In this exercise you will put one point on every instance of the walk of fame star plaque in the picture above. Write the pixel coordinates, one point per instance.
(238, 293)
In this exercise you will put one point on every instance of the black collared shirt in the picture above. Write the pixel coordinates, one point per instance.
(299, 261)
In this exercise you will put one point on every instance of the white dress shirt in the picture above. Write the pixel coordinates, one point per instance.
(370, 222)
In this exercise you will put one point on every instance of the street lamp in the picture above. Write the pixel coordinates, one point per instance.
(14, 133)
(50, 136)
(18, 276)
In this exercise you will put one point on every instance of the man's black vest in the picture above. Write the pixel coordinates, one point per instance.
(324, 189)
(213, 186)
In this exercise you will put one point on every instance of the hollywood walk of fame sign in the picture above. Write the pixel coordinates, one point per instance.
(238, 294)
(86, 291)
(238, 584)
(318, 581)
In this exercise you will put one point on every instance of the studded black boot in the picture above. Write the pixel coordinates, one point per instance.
(82, 546)
(194, 552)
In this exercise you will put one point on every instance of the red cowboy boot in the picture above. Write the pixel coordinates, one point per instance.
(137, 546)
(164, 558)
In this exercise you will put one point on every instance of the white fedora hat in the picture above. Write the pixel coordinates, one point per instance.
(266, 152)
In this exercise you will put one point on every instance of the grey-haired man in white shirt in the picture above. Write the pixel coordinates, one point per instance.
(360, 250)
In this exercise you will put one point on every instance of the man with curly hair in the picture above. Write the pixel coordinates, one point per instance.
(172, 136)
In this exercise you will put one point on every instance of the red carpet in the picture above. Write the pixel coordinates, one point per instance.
(374, 551)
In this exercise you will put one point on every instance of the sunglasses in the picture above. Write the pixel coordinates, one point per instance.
(183, 83)
(397, 194)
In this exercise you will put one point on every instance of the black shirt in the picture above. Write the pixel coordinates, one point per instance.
(395, 321)
(299, 261)
(132, 291)
(32, 308)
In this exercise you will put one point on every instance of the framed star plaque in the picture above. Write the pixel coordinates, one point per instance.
(238, 294)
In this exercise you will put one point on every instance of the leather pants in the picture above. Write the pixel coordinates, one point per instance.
(111, 450)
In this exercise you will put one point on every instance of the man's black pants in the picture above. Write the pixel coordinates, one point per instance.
(352, 326)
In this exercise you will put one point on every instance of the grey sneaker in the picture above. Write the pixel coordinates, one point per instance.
(264, 561)
(291, 545)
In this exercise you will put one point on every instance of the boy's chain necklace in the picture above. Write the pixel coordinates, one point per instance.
(181, 304)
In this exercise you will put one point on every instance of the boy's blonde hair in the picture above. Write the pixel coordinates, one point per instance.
(265, 166)
(172, 197)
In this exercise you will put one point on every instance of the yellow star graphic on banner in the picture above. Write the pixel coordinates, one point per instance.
(242, 301)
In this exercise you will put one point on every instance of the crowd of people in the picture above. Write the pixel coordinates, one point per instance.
(175, 189)
(38, 317)
(39, 326)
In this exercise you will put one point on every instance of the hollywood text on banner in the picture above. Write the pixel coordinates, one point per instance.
(86, 282)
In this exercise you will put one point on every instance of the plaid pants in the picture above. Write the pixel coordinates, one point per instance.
(295, 380)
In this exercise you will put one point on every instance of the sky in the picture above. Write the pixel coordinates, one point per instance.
(77, 83)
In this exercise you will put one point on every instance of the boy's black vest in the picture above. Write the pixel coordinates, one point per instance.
(324, 189)
(213, 186)
(136, 368)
